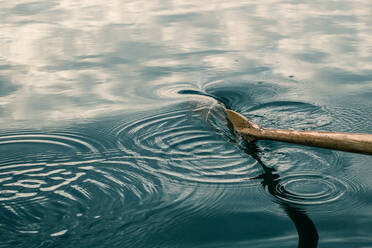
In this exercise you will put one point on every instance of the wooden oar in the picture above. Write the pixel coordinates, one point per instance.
(349, 142)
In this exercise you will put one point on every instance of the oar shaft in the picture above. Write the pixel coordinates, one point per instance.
(350, 142)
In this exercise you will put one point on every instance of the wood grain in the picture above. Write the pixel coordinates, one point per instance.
(349, 142)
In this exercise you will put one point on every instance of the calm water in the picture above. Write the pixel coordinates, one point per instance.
(112, 133)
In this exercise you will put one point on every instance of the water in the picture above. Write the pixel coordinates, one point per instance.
(113, 134)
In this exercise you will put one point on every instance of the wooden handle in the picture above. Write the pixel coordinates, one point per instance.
(349, 142)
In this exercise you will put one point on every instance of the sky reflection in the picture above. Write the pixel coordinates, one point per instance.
(140, 80)
(92, 57)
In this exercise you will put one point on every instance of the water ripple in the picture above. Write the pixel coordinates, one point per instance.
(298, 116)
(239, 96)
(308, 189)
(66, 192)
(53, 143)
(348, 119)
(289, 158)
(180, 145)
(290, 115)
(68, 178)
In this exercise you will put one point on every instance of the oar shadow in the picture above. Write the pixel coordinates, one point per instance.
(307, 233)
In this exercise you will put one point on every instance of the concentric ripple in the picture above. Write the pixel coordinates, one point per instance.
(65, 177)
(241, 96)
(297, 116)
(181, 145)
(311, 189)
(47, 144)
(291, 158)
(33, 200)
(290, 115)
(348, 119)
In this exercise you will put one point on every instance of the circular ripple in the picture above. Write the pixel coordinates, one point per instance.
(289, 115)
(180, 145)
(347, 119)
(309, 189)
(77, 195)
(46, 178)
(290, 158)
(298, 116)
(241, 96)
(34, 144)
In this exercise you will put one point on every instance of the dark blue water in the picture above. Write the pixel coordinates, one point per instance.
(113, 131)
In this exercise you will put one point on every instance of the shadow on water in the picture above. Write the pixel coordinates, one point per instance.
(307, 233)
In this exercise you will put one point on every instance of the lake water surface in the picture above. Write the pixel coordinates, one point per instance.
(113, 133)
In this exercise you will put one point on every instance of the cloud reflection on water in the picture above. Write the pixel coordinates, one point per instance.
(89, 58)
(75, 60)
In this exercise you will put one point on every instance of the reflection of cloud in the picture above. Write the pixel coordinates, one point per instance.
(345, 77)
(32, 8)
(6, 87)
(89, 57)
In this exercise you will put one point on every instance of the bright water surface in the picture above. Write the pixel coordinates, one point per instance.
(111, 134)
